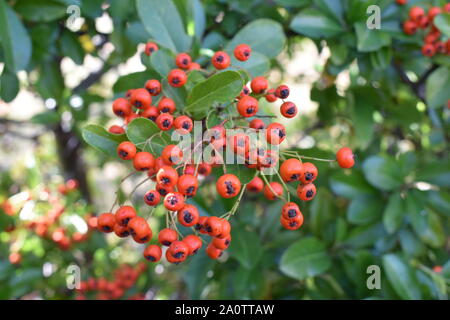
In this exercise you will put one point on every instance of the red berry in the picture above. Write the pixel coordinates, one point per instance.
(174, 201)
(172, 155)
(220, 60)
(306, 192)
(106, 222)
(282, 92)
(416, 14)
(150, 47)
(152, 253)
(140, 98)
(164, 121)
(259, 85)
(126, 150)
(345, 158)
(257, 124)
(275, 133)
(152, 197)
(270, 96)
(167, 176)
(288, 109)
(228, 186)
(276, 187)
(143, 161)
(193, 242)
(150, 113)
(290, 210)
(187, 185)
(242, 52)
(115, 129)
(183, 123)
(166, 105)
(428, 50)
(247, 106)
(122, 107)
(291, 170)
(410, 27)
(256, 185)
(177, 78)
(188, 215)
(124, 214)
(167, 236)
(183, 60)
(178, 250)
(213, 252)
(309, 173)
(153, 87)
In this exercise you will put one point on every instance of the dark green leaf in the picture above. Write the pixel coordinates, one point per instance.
(382, 172)
(102, 140)
(305, 258)
(41, 11)
(219, 88)
(245, 247)
(350, 185)
(14, 39)
(393, 213)
(370, 39)
(258, 34)
(9, 86)
(163, 22)
(438, 87)
(146, 135)
(442, 22)
(364, 210)
(315, 24)
(401, 277)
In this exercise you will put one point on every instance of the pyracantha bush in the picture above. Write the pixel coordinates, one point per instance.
(236, 140)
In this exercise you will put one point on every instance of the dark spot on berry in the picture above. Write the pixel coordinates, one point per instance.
(165, 180)
(172, 200)
(309, 176)
(123, 154)
(166, 243)
(162, 191)
(309, 193)
(246, 53)
(138, 104)
(198, 226)
(195, 251)
(165, 110)
(185, 62)
(150, 258)
(227, 242)
(125, 221)
(230, 187)
(281, 133)
(246, 91)
(220, 254)
(106, 228)
(187, 217)
(292, 213)
(120, 113)
(150, 197)
(166, 123)
(125, 234)
(260, 151)
(219, 58)
(174, 159)
(152, 49)
(291, 110)
(186, 125)
(176, 80)
(250, 110)
(178, 255)
(284, 93)
(152, 118)
(293, 223)
(190, 190)
(144, 239)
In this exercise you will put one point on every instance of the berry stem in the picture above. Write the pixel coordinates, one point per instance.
(236, 204)
(285, 187)
(295, 154)
(137, 186)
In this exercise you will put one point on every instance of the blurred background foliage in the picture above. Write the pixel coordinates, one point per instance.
(371, 90)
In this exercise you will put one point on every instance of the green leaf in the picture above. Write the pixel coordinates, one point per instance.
(196, 274)
(219, 88)
(315, 24)
(262, 35)
(71, 47)
(436, 172)
(102, 140)
(193, 14)
(401, 277)
(51, 82)
(162, 61)
(133, 81)
(46, 117)
(438, 87)
(322, 211)
(257, 65)
(425, 222)
(370, 39)
(364, 210)
(393, 213)
(9, 86)
(40, 11)
(14, 39)
(305, 258)
(382, 172)
(245, 247)
(350, 185)
(146, 135)
(163, 22)
(442, 22)
(365, 236)
(293, 3)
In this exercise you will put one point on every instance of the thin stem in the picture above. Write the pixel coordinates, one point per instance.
(137, 186)
(285, 187)
(236, 204)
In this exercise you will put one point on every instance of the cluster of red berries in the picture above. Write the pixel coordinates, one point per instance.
(176, 175)
(434, 43)
(125, 276)
(49, 225)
